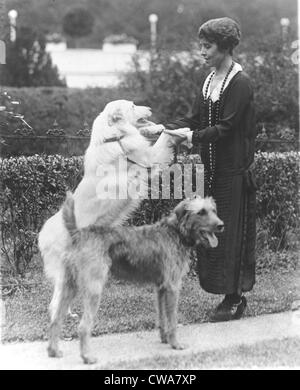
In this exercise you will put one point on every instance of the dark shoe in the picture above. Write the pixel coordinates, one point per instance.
(227, 311)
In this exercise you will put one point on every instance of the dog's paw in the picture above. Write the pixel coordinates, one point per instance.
(164, 339)
(148, 131)
(87, 359)
(55, 353)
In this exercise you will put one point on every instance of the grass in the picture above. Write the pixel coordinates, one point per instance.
(263, 355)
(128, 307)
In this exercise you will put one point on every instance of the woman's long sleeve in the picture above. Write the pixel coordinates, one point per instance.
(234, 107)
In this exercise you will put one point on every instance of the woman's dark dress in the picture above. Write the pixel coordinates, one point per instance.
(230, 267)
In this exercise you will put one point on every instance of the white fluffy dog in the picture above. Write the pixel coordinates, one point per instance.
(116, 138)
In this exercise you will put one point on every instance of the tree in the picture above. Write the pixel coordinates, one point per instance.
(27, 62)
(78, 22)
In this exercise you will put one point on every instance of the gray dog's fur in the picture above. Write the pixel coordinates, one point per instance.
(158, 253)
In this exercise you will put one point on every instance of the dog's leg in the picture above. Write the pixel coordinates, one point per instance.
(171, 298)
(91, 297)
(161, 292)
(54, 328)
(62, 298)
(90, 304)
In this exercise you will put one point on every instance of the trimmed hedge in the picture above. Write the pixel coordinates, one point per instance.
(277, 198)
(33, 189)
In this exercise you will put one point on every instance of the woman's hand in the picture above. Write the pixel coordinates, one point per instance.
(182, 135)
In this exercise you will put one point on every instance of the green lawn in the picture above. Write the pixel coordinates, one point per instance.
(128, 307)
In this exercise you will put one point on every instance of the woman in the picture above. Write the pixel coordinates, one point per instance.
(223, 125)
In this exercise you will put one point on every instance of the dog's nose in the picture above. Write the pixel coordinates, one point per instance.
(220, 227)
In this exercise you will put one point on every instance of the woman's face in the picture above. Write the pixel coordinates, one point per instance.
(211, 53)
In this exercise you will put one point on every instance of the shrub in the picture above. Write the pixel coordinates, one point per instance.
(27, 62)
(172, 83)
(70, 107)
(170, 89)
(275, 78)
(277, 206)
(33, 189)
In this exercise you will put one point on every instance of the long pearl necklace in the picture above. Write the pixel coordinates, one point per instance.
(212, 146)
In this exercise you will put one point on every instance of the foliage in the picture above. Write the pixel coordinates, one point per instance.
(71, 108)
(27, 62)
(275, 79)
(268, 260)
(172, 83)
(178, 19)
(277, 199)
(33, 189)
(170, 86)
(78, 22)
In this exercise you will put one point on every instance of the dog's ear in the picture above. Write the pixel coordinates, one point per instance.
(213, 201)
(180, 210)
(185, 223)
(114, 117)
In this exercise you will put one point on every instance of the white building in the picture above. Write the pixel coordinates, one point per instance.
(99, 68)
(93, 67)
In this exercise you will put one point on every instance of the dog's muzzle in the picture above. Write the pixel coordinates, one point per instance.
(208, 238)
(211, 238)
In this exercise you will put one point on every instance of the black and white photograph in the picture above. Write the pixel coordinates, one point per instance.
(149, 188)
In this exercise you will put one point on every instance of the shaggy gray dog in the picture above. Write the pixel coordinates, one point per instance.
(158, 254)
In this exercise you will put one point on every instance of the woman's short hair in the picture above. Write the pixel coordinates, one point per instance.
(225, 32)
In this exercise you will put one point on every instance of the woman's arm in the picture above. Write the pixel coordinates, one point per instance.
(234, 107)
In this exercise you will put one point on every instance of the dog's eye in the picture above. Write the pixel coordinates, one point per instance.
(202, 212)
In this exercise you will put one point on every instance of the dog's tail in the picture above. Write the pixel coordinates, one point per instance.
(68, 214)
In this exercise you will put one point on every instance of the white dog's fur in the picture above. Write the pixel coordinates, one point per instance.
(120, 118)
